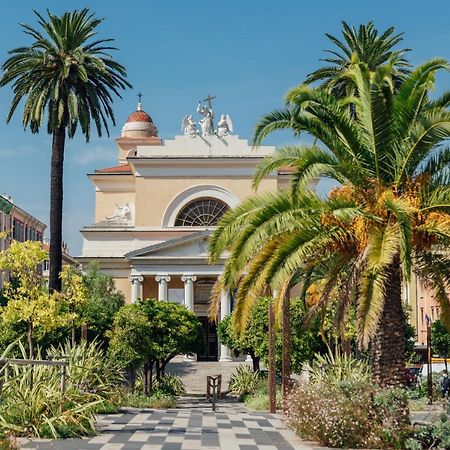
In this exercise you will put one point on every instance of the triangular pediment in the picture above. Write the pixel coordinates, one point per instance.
(194, 245)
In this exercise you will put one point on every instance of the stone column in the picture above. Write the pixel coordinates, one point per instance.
(189, 281)
(225, 310)
(162, 281)
(136, 287)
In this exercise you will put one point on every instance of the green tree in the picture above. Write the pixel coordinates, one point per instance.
(440, 340)
(102, 303)
(28, 301)
(365, 45)
(131, 338)
(391, 208)
(175, 329)
(151, 333)
(66, 74)
(306, 340)
(74, 295)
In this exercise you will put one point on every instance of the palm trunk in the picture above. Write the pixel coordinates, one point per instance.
(388, 345)
(56, 209)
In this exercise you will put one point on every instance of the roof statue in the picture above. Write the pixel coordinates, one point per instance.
(225, 126)
(189, 126)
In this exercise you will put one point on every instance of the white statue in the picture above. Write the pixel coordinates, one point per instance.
(188, 126)
(121, 213)
(225, 125)
(207, 122)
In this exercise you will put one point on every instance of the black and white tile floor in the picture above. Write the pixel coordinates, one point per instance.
(192, 425)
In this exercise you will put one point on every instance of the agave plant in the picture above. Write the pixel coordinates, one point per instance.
(90, 369)
(32, 403)
(243, 381)
(335, 369)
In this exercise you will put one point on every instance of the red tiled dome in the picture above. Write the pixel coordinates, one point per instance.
(139, 116)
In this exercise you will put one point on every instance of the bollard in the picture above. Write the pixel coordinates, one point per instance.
(214, 383)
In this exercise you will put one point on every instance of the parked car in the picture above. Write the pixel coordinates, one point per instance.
(413, 375)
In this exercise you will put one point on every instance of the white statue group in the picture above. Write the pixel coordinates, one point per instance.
(189, 126)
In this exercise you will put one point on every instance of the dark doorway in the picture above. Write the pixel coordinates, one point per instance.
(210, 350)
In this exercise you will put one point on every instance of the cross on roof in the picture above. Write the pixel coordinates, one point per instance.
(139, 97)
(208, 99)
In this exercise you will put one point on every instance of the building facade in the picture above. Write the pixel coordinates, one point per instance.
(17, 224)
(156, 209)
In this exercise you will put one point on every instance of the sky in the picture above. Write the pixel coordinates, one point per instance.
(246, 53)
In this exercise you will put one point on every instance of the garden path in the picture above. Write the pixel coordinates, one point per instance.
(192, 425)
(194, 373)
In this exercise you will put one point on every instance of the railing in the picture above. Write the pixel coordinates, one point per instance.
(4, 363)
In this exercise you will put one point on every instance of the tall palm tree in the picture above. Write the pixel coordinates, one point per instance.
(66, 76)
(364, 45)
(390, 215)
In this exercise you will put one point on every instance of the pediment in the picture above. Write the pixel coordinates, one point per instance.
(194, 245)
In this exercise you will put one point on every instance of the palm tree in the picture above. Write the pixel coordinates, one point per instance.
(389, 216)
(67, 76)
(363, 45)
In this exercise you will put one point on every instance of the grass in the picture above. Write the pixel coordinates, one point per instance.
(157, 400)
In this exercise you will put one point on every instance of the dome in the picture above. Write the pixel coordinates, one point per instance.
(139, 125)
(139, 116)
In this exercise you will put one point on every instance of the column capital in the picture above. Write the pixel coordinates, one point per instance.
(136, 278)
(162, 278)
(188, 278)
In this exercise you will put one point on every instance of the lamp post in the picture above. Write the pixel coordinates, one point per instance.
(286, 337)
(429, 361)
(272, 379)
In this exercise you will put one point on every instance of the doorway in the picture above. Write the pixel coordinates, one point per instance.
(210, 349)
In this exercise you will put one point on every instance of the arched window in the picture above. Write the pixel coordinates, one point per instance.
(204, 212)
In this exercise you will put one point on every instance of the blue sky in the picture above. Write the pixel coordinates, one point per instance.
(247, 53)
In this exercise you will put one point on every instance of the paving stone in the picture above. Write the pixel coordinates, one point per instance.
(193, 426)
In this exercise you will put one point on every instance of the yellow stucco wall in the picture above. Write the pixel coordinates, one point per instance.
(105, 203)
(153, 195)
(124, 285)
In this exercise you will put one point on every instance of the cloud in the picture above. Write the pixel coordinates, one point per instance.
(15, 152)
(89, 154)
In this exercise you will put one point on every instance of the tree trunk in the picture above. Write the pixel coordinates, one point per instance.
(56, 209)
(158, 371)
(30, 340)
(73, 334)
(146, 379)
(150, 377)
(255, 361)
(388, 344)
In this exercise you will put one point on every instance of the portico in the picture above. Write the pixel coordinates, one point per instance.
(179, 271)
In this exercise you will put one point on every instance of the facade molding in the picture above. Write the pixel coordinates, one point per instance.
(196, 192)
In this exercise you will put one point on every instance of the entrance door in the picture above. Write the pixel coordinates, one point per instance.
(210, 350)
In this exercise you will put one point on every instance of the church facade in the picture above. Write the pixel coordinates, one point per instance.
(155, 210)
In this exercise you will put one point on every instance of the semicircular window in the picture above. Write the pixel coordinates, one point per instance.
(204, 212)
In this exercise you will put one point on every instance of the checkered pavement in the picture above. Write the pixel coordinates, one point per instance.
(192, 425)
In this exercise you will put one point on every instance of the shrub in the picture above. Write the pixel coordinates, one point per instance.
(336, 416)
(32, 404)
(340, 407)
(244, 381)
(90, 369)
(335, 369)
(170, 385)
(436, 435)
